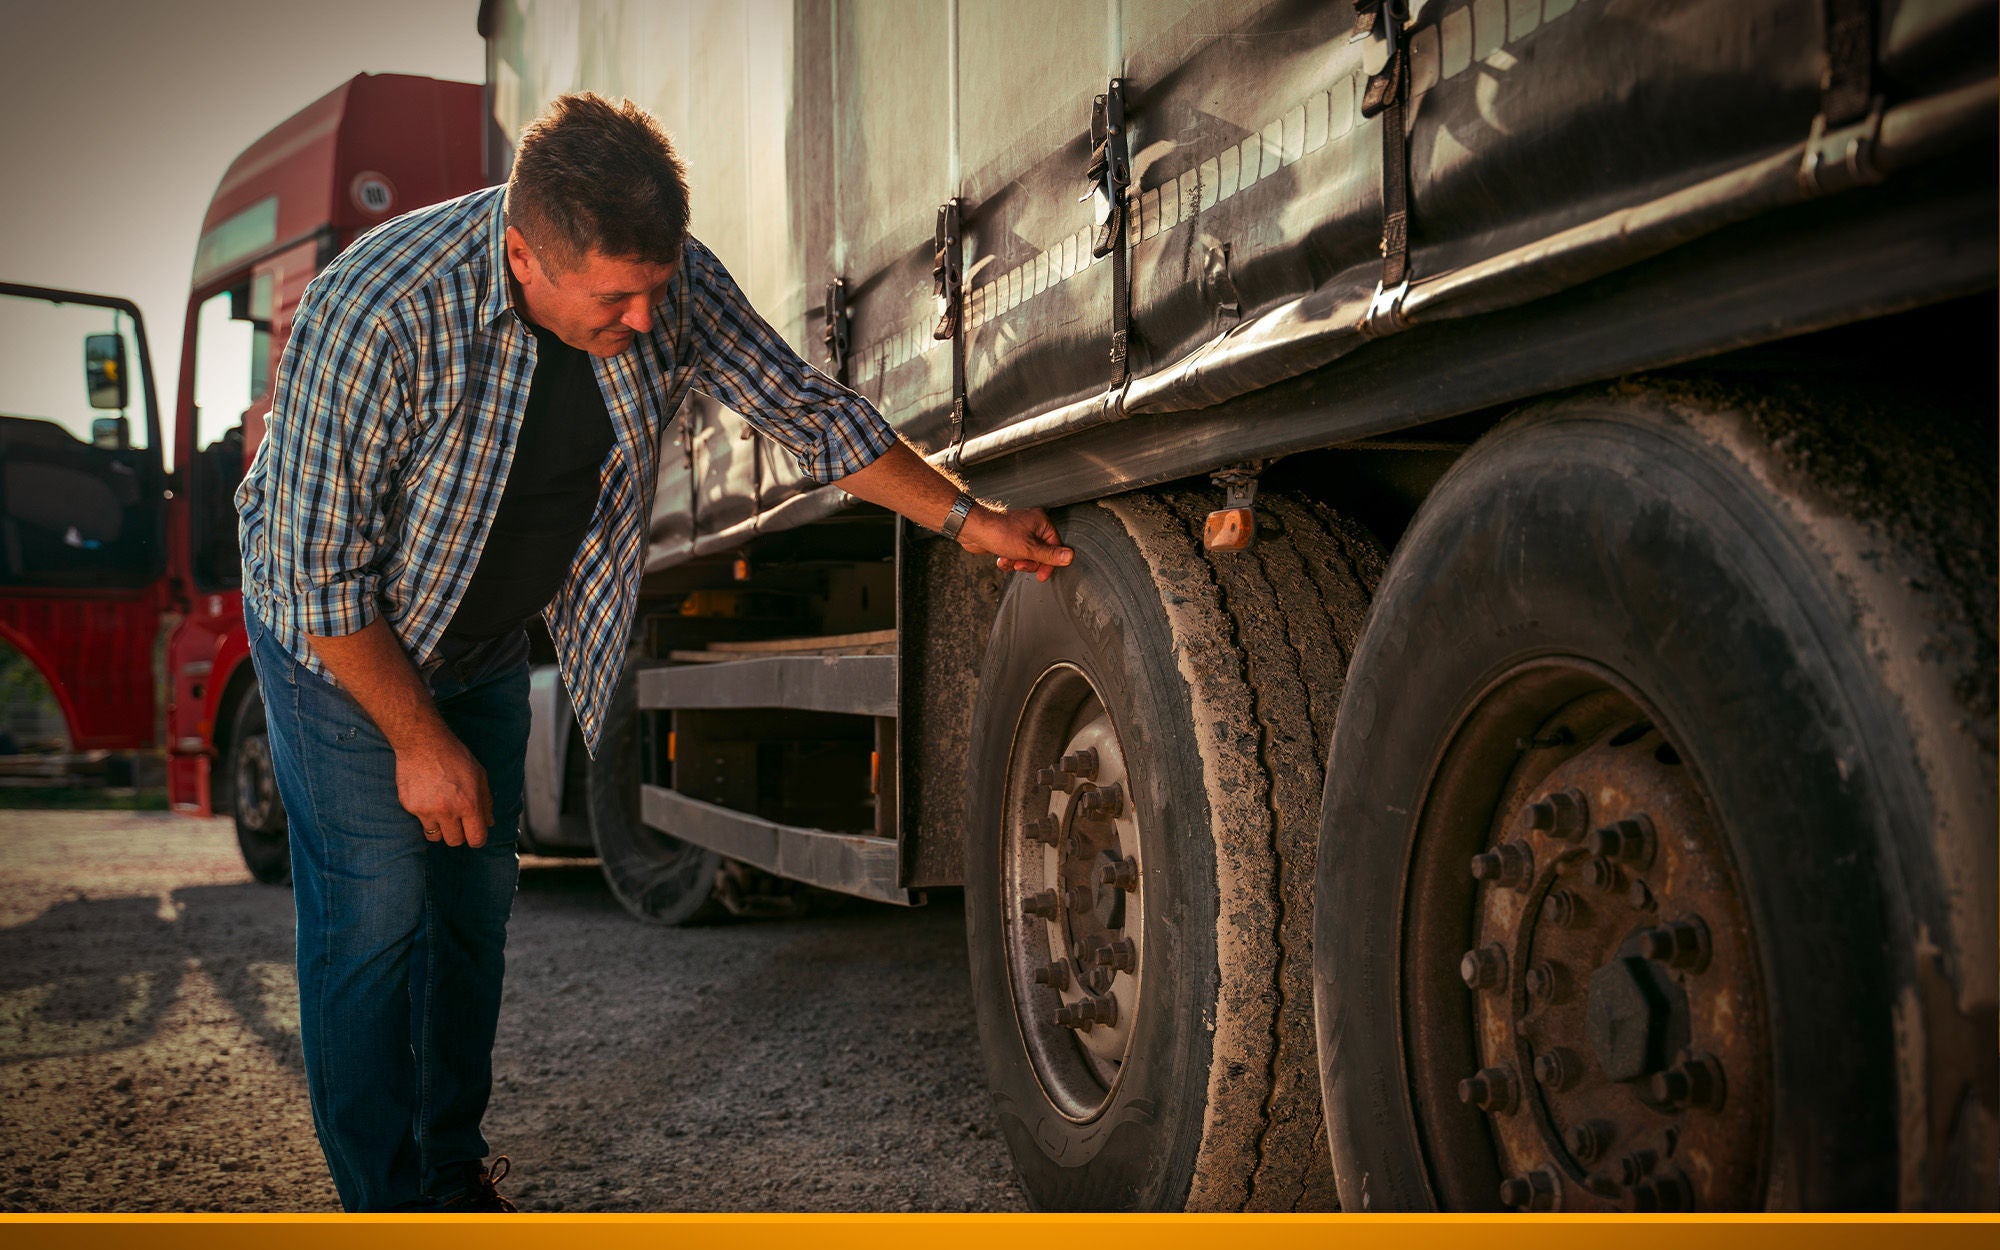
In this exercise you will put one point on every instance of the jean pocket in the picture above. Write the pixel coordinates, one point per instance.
(339, 715)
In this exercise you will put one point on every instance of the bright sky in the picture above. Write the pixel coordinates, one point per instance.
(120, 116)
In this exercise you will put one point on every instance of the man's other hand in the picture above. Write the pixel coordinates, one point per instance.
(443, 786)
(437, 779)
(1022, 541)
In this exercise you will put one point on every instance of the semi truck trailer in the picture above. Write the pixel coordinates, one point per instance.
(1518, 731)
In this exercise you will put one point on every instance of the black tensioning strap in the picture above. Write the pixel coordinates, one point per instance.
(1847, 89)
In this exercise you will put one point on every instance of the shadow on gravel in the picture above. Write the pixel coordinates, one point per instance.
(84, 977)
(89, 976)
(243, 936)
(819, 1062)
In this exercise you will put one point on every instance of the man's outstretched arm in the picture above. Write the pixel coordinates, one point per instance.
(1022, 540)
(830, 429)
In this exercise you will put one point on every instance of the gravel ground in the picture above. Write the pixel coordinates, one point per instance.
(149, 1054)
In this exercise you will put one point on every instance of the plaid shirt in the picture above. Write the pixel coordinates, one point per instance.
(393, 422)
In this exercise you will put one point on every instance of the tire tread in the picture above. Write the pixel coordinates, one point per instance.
(1285, 614)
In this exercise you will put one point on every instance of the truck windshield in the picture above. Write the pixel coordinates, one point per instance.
(45, 378)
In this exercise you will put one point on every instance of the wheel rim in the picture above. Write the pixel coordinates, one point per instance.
(1619, 1033)
(1072, 896)
(256, 786)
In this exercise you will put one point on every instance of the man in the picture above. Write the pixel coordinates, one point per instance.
(464, 433)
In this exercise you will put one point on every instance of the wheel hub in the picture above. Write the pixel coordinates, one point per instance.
(1076, 939)
(1619, 1024)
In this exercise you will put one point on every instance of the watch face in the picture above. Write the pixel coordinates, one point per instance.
(954, 520)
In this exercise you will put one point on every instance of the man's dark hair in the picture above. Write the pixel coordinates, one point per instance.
(591, 174)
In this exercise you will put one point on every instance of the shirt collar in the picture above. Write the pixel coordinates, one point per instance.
(498, 299)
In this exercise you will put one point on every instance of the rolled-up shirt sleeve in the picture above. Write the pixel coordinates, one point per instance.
(747, 365)
(339, 401)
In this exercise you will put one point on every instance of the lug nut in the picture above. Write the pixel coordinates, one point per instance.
(1566, 909)
(1636, 1166)
(1564, 815)
(1628, 841)
(1639, 897)
(1547, 982)
(1558, 1068)
(1120, 874)
(1695, 1080)
(1082, 897)
(1603, 875)
(1081, 1016)
(1055, 975)
(1103, 802)
(1042, 903)
(1509, 864)
(1055, 779)
(1484, 968)
(1082, 763)
(1534, 1191)
(1668, 1190)
(1589, 1140)
(1489, 1089)
(1119, 956)
(1682, 944)
(1046, 829)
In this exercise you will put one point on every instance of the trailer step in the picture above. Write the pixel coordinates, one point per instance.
(860, 685)
(849, 863)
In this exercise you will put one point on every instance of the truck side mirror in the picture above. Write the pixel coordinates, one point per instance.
(111, 433)
(104, 370)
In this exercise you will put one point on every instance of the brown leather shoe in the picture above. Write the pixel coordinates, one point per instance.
(481, 1194)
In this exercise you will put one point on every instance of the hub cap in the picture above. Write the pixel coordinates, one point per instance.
(1620, 1030)
(1073, 893)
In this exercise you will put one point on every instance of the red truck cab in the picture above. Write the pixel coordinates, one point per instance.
(374, 147)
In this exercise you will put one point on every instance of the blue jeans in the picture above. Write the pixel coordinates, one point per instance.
(400, 940)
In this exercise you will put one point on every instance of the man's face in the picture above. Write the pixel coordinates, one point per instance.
(599, 307)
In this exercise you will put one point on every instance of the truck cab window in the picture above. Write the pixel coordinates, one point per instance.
(75, 508)
(52, 335)
(232, 379)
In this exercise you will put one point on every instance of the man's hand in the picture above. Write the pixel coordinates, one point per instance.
(1023, 541)
(437, 779)
(905, 482)
(440, 784)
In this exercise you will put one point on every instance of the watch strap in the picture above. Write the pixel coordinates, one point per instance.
(954, 520)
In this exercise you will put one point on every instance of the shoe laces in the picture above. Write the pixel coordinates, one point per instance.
(485, 1194)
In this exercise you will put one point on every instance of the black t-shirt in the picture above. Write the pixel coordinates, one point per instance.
(551, 493)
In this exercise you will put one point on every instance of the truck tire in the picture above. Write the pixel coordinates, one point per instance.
(660, 879)
(1146, 1020)
(1665, 773)
(261, 829)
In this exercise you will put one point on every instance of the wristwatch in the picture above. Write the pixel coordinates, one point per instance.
(954, 520)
